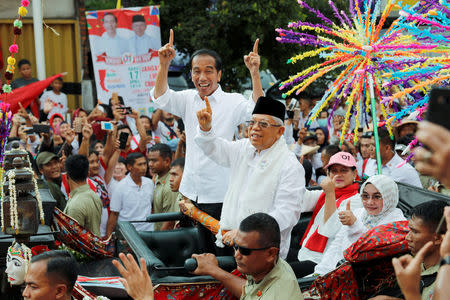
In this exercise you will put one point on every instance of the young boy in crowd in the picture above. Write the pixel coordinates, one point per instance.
(55, 99)
(25, 71)
(27, 78)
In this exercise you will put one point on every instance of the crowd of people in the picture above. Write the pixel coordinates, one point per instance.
(244, 162)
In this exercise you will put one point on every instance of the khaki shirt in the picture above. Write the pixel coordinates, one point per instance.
(85, 207)
(280, 283)
(427, 293)
(164, 200)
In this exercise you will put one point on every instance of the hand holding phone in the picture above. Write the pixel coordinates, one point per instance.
(108, 126)
(123, 138)
(439, 107)
(41, 128)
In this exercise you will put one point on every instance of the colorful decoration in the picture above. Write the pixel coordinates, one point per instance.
(13, 49)
(365, 57)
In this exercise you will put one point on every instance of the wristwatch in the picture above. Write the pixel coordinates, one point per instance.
(445, 261)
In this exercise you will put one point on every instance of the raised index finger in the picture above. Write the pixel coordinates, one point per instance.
(255, 46)
(171, 38)
(208, 106)
(348, 205)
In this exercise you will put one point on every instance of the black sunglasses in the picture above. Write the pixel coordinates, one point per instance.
(247, 251)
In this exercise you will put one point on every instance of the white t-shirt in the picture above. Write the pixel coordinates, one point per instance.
(133, 203)
(59, 102)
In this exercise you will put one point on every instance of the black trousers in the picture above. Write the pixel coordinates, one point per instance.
(214, 210)
(302, 268)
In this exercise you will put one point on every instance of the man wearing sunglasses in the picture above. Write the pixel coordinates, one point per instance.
(256, 246)
(265, 175)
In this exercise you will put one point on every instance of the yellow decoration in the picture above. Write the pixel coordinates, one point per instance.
(10, 69)
(11, 61)
(22, 11)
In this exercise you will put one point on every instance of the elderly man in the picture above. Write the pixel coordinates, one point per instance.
(204, 181)
(141, 43)
(265, 175)
(256, 253)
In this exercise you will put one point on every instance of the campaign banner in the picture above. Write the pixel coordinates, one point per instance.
(124, 45)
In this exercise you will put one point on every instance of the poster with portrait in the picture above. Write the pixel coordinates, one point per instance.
(124, 45)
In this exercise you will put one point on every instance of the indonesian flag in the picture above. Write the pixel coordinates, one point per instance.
(26, 94)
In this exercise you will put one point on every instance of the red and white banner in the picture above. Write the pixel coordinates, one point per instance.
(124, 46)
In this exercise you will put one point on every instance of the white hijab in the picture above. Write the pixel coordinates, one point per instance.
(388, 189)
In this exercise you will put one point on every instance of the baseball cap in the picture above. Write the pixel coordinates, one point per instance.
(342, 158)
(44, 158)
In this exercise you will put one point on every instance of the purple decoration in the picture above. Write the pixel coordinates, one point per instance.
(346, 19)
(352, 8)
(316, 12)
(336, 12)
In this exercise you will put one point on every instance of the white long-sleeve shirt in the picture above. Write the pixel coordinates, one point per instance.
(203, 179)
(287, 198)
(328, 229)
(142, 44)
(405, 174)
(347, 235)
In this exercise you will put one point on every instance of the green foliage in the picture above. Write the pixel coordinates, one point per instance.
(99, 4)
(231, 27)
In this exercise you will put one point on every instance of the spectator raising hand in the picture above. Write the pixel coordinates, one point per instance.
(407, 270)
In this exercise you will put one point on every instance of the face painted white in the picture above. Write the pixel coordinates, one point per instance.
(16, 269)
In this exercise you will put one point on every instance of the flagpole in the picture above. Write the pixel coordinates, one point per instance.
(39, 39)
(375, 123)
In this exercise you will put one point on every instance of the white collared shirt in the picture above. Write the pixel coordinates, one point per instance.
(405, 174)
(142, 44)
(203, 179)
(133, 202)
(287, 200)
(112, 46)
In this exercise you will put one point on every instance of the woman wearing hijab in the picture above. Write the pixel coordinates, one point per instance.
(339, 188)
(379, 196)
(322, 137)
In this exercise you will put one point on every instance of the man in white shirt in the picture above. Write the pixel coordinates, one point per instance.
(132, 198)
(140, 43)
(390, 161)
(204, 181)
(110, 42)
(265, 175)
